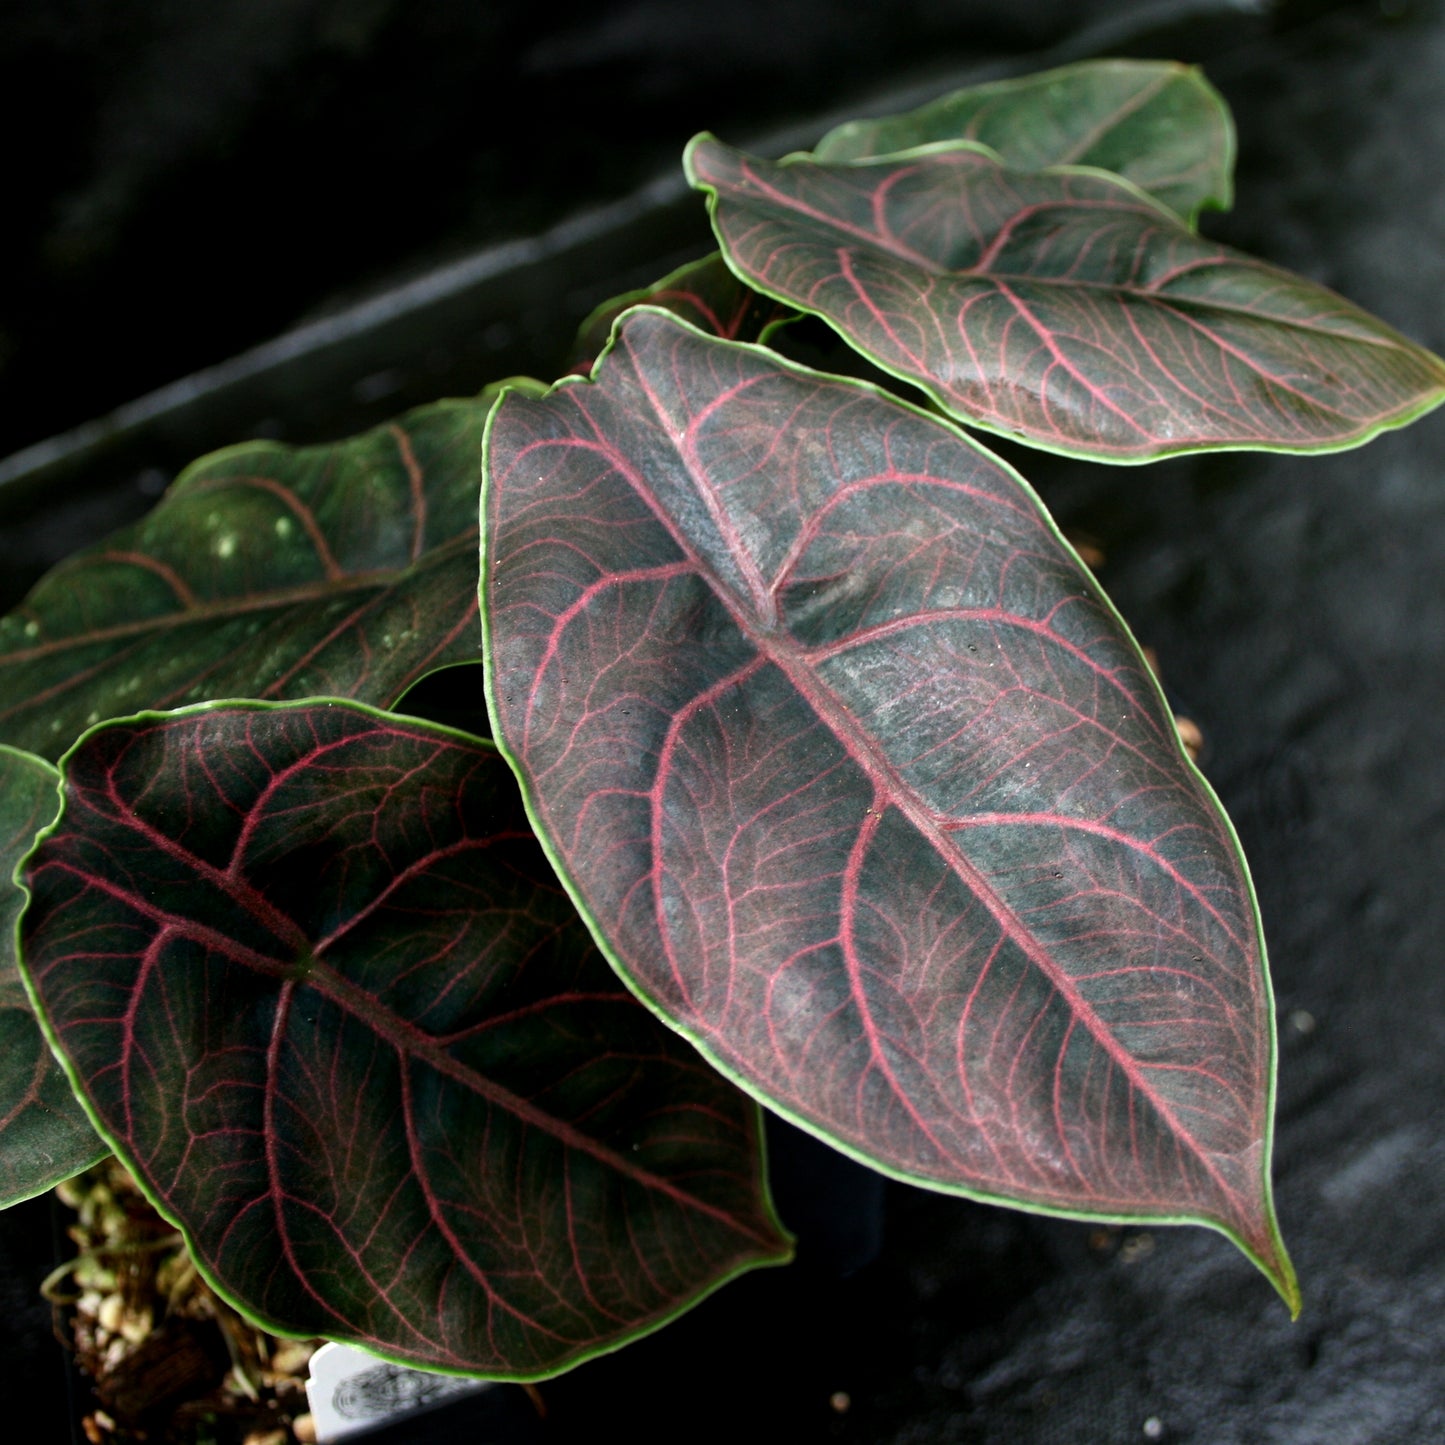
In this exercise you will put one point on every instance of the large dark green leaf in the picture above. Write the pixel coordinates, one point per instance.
(868, 789)
(1062, 308)
(44, 1134)
(314, 978)
(1154, 122)
(265, 571)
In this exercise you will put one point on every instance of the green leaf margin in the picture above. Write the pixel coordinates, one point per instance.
(940, 408)
(246, 1312)
(939, 121)
(1286, 1282)
(72, 1145)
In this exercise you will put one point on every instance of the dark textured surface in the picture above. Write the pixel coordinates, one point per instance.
(1299, 611)
(183, 180)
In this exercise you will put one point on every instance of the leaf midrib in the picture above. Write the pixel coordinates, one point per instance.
(789, 658)
(909, 255)
(408, 1039)
(1122, 112)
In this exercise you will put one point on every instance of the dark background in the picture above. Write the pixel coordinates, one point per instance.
(184, 181)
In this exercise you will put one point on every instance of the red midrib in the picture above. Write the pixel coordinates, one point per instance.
(796, 207)
(409, 1039)
(790, 659)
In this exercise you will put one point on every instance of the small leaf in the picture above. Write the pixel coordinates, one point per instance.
(1157, 123)
(704, 292)
(867, 788)
(44, 1134)
(265, 571)
(1062, 308)
(314, 979)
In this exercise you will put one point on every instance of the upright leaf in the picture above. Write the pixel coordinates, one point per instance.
(1063, 308)
(866, 787)
(704, 292)
(265, 571)
(314, 979)
(1157, 123)
(44, 1134)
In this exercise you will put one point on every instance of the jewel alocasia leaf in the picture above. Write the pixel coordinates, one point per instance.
(44, 1134)
(265, 571)
(704, 292)
(1063, 308)
(1154, 122)
(866, 787)
(316, 982)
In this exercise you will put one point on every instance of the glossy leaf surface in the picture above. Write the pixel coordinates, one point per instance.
(1062, 308)
(314, 977)
(704, 293)
(868, 789)
(1157, 123)
(265, 571)
(44, 1134)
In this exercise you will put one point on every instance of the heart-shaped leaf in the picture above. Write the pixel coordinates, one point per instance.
(1154, 122)
(314, 978)
(1062, 308)
(44, 1134)
(867, 788)
(265, 571)
(704, 292)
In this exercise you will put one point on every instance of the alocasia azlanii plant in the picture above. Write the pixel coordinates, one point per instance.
(826, 741)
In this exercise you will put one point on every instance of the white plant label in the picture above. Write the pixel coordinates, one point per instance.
(349, 1390)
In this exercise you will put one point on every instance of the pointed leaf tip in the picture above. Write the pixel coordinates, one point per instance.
(1062, 308)
(864, 785)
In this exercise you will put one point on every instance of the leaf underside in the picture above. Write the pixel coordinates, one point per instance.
(1157, 123)
(315, 980)
(704, 293)
(867, 789)
(265, 571)
(44, 1134)
(1062, 308)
